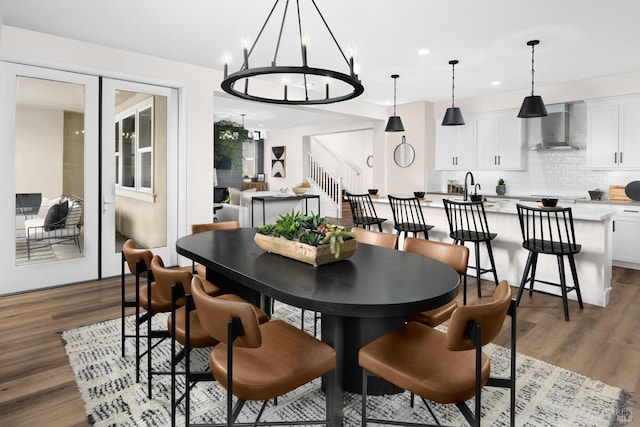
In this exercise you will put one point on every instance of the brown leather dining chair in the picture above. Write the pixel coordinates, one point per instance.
(455, 256)
(160, 293)
(138, 261)
(451, 367)
(376, 238)
(185, 327)
(259, 361)
(201, 270)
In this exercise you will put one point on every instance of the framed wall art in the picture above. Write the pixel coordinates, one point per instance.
(278, 161)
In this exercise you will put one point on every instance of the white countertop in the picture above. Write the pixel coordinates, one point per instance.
(582, 211)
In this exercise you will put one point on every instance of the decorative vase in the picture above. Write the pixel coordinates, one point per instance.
(314, 255)
(501, 189)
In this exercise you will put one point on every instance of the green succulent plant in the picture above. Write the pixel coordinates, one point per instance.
(312, 230)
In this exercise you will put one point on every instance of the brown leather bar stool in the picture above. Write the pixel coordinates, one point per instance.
(210, 226)
(468, 223)
(458, 350)
(161, 295)
(376, 238)
(259, 361)
(363, 212)
(185, 327)
(455, 256)
(549, 231)
(408, 216)
(138, 261)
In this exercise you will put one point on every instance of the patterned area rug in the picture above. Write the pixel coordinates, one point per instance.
(546, 395)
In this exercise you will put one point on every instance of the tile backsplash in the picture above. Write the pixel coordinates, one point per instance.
(560, 173)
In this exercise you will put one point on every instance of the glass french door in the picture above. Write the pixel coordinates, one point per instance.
(139, 170)
(48, 158)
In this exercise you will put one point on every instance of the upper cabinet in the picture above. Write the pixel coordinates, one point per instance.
(489, 141)
(613, 133)
(456, 146)
(500, 142)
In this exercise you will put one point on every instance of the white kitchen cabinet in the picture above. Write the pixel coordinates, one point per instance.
(613, 132)
(626, 231)
(456, 147)
(501, 143)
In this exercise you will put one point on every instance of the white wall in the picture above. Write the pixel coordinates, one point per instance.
(39, 151)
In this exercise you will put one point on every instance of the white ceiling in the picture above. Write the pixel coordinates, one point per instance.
(579, 39)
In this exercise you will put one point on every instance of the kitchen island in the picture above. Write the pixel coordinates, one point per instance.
(592, 224)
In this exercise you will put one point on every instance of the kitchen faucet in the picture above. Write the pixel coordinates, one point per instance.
(466, 188)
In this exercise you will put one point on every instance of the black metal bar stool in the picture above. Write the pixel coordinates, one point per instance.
(468, 223)
(363, 212)
(408, 217)
(549, 231)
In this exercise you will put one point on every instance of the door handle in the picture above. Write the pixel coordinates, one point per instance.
(105, 203)
(621, 157)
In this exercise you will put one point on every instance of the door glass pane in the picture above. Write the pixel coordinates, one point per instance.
(49, 170)
(128, 153)
(141, 194)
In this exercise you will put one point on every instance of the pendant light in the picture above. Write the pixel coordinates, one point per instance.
(453, 116)
(395, 123)
(532, 106)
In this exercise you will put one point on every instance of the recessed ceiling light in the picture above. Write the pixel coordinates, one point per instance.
(424, 51)
(496, 83)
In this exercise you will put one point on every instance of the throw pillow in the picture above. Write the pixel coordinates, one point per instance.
(52, 218)
(63, 210)
(234, 195)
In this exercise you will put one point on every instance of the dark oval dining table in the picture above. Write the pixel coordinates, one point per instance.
(360, 298)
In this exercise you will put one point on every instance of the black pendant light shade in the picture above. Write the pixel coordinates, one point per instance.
(532, 106)
(453, 115)
(395, 122)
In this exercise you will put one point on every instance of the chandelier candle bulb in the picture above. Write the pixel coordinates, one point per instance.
(351, 61)
(245, 52)
(226, 66)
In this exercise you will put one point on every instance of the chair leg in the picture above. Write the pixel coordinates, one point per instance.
(534, 267)
(493, 264)
(364, 398)
(563, 287)
(464, 289)
(476, 247)
(574, 273)
(380, 227)
(122, 304)
(525, 276)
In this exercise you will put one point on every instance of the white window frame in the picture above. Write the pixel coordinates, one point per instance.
(138, 191)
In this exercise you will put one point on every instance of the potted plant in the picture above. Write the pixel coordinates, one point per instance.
(246, 178)
(501, 188)
(307, 238)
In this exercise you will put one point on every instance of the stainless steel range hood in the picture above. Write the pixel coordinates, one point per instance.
(550, 132)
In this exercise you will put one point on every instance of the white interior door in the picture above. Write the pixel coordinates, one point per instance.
(48, 156)
(139, 170)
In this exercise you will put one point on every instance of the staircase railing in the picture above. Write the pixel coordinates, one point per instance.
(327, 181)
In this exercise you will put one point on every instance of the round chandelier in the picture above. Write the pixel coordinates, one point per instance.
(302, 84)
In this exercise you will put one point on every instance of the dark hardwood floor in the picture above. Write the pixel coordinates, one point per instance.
(37, 386)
